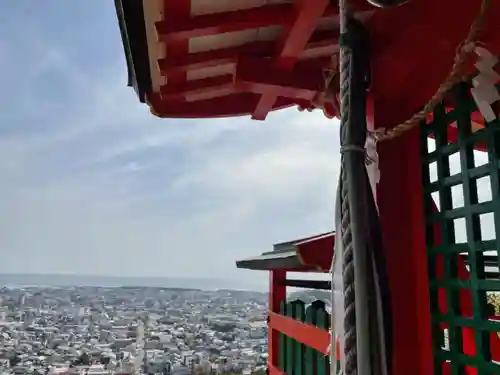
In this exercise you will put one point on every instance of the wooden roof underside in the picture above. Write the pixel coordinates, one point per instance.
(212, 58)
(311, 254)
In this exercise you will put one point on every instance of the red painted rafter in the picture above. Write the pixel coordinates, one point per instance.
(196, 86)
(178, 50)
(258, 75)
(172, 28)
(217, 57)
(207, 59)
(307, 334)
(210, 24)
(308, 12)
(181, 10)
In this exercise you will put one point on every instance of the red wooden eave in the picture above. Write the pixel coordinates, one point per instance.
(317, 252)
(311, 254)
(187, 31)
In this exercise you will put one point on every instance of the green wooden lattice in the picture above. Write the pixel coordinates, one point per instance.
(296, 358)
(463, 224)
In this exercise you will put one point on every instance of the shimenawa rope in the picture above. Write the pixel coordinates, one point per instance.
(454, 76)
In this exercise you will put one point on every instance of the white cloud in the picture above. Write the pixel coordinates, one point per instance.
(109, 189)
(287, 159)
(91, 219)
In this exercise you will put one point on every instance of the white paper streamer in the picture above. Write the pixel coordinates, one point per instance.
(484, 91)
(372, 163)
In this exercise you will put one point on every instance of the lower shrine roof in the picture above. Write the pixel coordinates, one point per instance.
(311, 254)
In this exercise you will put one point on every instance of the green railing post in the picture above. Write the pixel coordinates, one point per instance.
(290, 345)
(295, 358)
(283, 341)
(310, 353)
(298, 313)
(317, 315)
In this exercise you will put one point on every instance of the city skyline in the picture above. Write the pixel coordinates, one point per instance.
(21, 280)
(133, 331)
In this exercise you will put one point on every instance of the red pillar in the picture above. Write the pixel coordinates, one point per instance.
(401, 208)
(277, 294)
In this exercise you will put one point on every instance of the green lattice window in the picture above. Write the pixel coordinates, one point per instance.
(462, 242)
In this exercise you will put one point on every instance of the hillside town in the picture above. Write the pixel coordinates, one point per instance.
(131, 330)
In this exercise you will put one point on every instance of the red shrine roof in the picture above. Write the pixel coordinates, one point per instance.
(213, 58)
(311, 254)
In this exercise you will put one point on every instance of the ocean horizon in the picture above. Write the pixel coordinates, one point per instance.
(65, 280)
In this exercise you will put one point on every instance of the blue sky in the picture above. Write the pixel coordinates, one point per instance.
(92, 183)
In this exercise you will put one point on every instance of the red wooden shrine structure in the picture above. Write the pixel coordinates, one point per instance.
(217, 58)
(312, 254)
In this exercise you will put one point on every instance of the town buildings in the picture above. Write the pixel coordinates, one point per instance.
(105, 331)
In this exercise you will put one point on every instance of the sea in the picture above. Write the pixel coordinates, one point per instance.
(64, 280)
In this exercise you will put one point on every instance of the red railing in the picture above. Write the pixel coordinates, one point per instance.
(292, 324)
(307, 334)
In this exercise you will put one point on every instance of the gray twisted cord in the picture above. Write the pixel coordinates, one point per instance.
(350, 339)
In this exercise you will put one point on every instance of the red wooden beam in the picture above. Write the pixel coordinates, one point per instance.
(260, 75)
(196, 86)
(212, 58)
(296, 38)
(181, 10)
(210, 24)
(399, 198)
(309, 335)
(277, 294)
(274, 370)
(257, 75)
(217, 57)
